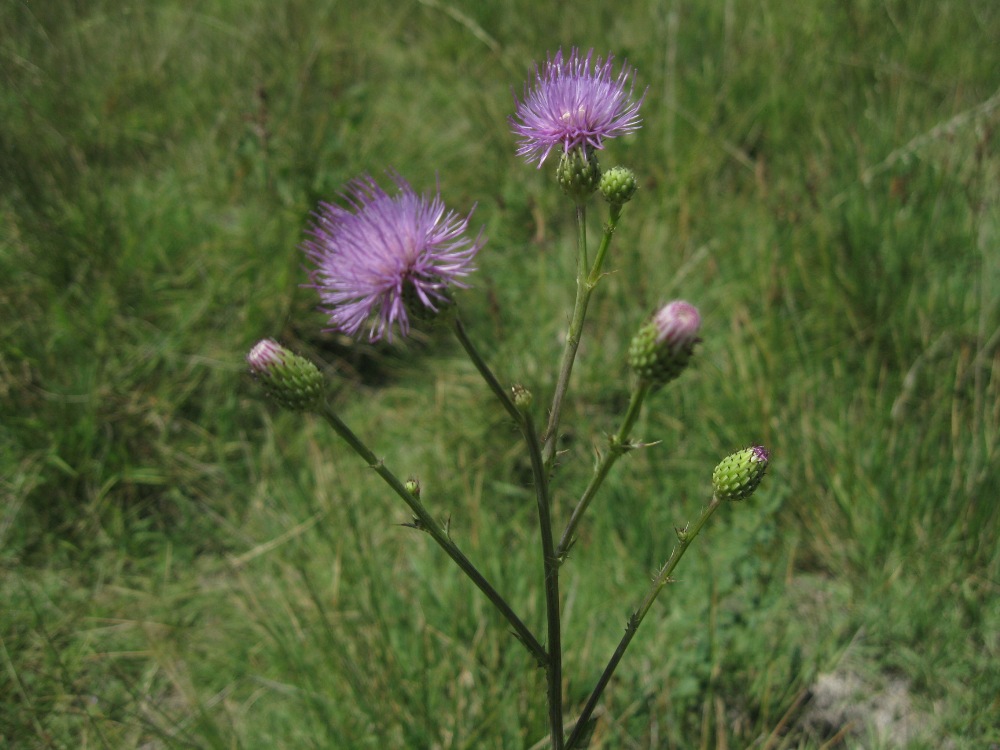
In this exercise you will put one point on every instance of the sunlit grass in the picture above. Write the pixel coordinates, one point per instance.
(184, 566)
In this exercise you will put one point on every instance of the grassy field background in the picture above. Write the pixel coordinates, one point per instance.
(182, 565)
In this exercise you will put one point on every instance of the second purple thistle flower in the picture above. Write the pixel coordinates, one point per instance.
(575, 103)
(385, 255)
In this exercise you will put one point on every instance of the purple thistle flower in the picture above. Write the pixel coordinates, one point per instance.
(574, 104)
(385, 252)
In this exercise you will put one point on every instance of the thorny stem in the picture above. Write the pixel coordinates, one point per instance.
(684, 538)
(550, 564)
(424, 521)
(617, 446)
(486, 372)
(572, 337)
(585, 283)
(550, 571)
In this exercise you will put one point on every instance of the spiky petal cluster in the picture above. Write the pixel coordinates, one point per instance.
(291, 380)
(384, 254)
(738, 475)
(575, 103)
(662, 348)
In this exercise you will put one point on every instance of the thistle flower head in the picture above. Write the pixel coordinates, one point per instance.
(662, 348)
(738, 475)
(385, 256)
(574, 103)
(291, 380)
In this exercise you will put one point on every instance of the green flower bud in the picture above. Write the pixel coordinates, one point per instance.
(739, 474)
(579, 173)
(522, 397)
(413, 486)
(618, 185)
(664, 344)
(293, 381)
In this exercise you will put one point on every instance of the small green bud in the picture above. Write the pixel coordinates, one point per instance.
(579, 173)
(413, 486)
(293, 381)
(664, 344)
(522, 397)
(739, 474)
(618, 185)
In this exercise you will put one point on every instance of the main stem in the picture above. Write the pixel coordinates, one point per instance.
(583, 291)
(684, 537)
(550, 571)
(426, 522)
(550, 565)
(585, 283)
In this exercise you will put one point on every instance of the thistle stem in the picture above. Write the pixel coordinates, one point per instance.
(684, 537)
(426, 522)
(617, 447)
(550, 572)
(484, 369)
(585, 283)
(614, 214)
(572, 337)
(550, 564)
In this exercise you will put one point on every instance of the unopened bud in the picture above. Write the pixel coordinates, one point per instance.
(413, 486)
(663, 346)
(739, 474)
(522, 397)
(618, 185)
(293, 381)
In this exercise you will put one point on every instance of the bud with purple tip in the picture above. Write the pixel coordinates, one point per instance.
(738, 475)
(293, 381)
(663, 346)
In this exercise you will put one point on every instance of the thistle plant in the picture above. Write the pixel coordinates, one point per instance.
(384, 261)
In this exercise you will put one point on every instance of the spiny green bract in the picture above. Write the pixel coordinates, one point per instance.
(738, 475)
(618, 185)
(293, 381)
(579, 173)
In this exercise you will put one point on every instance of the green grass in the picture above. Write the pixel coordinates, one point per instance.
(184, 566)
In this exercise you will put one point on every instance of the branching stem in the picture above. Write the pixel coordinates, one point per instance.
(426, 522)
(618, 445)
(550, 563)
